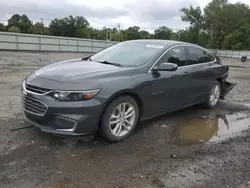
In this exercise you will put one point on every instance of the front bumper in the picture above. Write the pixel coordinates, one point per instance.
(60, 117)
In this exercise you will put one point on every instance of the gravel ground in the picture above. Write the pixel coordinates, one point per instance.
(189, 148)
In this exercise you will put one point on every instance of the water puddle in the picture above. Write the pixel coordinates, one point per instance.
(212, 129)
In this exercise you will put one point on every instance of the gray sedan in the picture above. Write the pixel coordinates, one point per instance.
(112, 90)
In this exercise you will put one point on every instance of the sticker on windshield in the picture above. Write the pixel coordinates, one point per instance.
(153, 46)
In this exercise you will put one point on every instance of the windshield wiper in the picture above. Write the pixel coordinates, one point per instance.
(87, 58)
(109, 63)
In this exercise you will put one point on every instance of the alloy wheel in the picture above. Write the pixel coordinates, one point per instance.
(215, 95)
(122, 119)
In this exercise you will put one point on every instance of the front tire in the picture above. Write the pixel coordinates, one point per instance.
(119, 119)
(214, 96)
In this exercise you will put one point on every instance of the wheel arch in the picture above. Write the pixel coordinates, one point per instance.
(126, 92)
(220, 80)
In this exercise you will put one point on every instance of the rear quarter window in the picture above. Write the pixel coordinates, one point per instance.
(210, 57)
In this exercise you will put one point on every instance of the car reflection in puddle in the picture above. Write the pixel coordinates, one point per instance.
(212, 129)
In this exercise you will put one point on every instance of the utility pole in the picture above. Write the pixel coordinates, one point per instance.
(119, 26)
(41, 25)
(106, 34)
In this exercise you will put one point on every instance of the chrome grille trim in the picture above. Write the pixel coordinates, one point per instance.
(34, 106)
(35, 90)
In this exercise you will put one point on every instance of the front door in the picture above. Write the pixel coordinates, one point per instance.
(167, 90)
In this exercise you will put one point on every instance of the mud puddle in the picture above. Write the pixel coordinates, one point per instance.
(212, 129)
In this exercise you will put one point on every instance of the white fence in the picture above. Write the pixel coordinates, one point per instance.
(27, 42)
(230, 53)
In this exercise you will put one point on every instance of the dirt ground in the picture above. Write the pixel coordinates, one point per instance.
(189, 148)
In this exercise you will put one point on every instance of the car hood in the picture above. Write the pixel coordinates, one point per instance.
(74, 70)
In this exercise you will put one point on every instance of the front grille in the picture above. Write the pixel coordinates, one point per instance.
(36, 89)
(34, 106)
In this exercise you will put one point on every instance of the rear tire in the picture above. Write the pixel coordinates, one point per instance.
(119, 119)
(213, 96)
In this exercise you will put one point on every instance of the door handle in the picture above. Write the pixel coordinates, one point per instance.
(210, 69)
(186, 73)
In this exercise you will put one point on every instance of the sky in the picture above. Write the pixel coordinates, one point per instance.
(147, 14)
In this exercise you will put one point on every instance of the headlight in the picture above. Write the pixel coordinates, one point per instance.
(75, 95)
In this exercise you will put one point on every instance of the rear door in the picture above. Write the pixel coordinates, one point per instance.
(201, 69)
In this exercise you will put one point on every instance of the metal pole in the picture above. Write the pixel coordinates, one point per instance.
(41, 26)
(119, 26)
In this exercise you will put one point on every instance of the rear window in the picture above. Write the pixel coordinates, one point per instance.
(198, 55)
(210, 57)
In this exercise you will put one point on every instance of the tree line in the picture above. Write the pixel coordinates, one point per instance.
(220, 25)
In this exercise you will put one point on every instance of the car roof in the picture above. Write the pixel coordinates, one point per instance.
(165, 43)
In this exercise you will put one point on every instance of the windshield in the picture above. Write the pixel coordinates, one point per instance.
(127, 54)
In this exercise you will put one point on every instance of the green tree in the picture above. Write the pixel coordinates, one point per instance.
(2, 27)
(203, 39)
(132, 33)
(186, 35)
(82, 33)
(57, 27)
(117, 36)
(222, 18)
(232, 17)
(195, 18)
(239, 39)
(38, 28)
(68, 26)
(15, 20)
(145, 34)
(81, 22)
(103, 34)
(25, 24)
(162, 32)
(21, 22)
(14, 29)
(46, 31)
(213, 23)
(174, 36)
(74, 23)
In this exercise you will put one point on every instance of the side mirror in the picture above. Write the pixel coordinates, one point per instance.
(166, 67)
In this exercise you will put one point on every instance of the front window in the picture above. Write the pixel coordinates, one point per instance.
(175, 55)
(128, 54)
